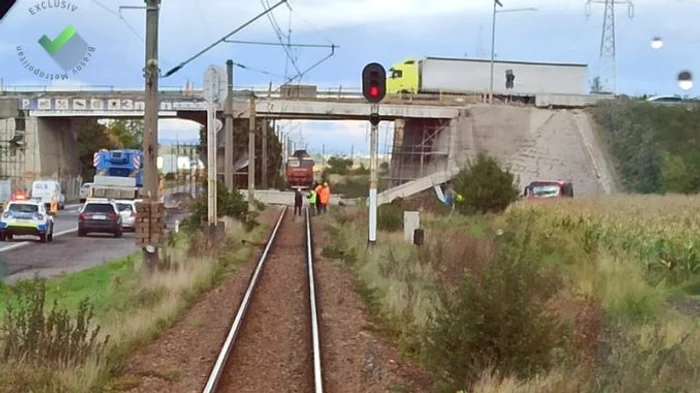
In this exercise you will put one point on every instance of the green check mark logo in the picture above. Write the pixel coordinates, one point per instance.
(53, 46)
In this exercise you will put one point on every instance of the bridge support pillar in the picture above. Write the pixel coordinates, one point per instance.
(40, 148)
(396, 156)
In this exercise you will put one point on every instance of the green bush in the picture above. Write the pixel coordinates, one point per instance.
(54, 340)
(352, 188)
(495, 320)
(485, 186)
(170, 176)
(229, 204)
(390, 216)
(655, 146)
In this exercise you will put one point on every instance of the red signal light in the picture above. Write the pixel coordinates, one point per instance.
(374, 91)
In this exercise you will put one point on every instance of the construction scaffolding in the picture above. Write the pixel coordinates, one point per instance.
(12, 152)
(420, 149)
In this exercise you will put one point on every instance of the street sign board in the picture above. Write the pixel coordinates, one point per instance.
(215, 87)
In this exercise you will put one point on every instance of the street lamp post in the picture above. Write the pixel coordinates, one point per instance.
(496, 4)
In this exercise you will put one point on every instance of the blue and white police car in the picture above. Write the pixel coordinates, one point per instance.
(22, 217)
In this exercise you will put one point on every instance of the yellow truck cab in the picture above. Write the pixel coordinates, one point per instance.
(404, 77)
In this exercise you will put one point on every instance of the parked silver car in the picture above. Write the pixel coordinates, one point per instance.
(127, 210)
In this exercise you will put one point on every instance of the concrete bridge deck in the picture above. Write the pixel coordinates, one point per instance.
(67, 106)
(321, 104)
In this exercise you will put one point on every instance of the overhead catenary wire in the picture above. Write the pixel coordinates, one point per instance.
(121, 17)
(279, 34)
(131, 28)
(286, 46)
(241, 27)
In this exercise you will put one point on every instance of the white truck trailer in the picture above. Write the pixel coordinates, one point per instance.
(435, 75)
(115, 187)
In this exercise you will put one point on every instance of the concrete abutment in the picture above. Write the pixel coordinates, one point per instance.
(41, 148)
(533, 143)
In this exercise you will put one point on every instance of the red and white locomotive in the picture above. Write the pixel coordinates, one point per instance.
(300, 170)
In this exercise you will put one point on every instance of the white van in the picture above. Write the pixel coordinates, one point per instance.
(85, 191)
(44, 190)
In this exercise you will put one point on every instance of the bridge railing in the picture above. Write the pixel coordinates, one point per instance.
(309, 93)
(323, 93)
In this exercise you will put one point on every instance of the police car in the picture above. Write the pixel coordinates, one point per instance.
(22, 217)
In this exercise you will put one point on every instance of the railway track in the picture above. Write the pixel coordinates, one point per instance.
(274, 341)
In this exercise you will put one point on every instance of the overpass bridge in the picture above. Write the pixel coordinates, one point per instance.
(433, 133)
(336, 104)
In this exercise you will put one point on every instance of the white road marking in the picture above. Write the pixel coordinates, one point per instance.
(26, 243)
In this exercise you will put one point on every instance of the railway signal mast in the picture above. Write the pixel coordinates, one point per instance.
(215, 92)
(374, 90)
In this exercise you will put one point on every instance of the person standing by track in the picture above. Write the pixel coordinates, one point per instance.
(317, 190)
(311, 199)
(298, 201)
(325, 197)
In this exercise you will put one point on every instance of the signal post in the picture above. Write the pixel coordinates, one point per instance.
(374, 90)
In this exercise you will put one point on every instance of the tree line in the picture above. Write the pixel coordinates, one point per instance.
(655, 147)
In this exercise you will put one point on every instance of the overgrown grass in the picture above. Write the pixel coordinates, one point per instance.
(564, 296)
(129, 309)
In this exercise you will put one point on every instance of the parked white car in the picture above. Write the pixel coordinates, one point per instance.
(85, 191)
(127, 209)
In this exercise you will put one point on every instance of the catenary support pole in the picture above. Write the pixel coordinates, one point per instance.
(493, 49)
(263, 167)
(373, 179)
(211, 168)
(150, 118)
(228, 129)
(251, 152)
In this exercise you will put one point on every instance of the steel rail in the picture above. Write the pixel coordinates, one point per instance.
(220, 364)
(315, 337)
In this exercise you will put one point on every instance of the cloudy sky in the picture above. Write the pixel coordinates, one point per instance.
(387, 31)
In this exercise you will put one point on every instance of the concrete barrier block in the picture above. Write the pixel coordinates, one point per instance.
(411, 222)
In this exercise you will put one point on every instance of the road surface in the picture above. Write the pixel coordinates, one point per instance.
(24, 256)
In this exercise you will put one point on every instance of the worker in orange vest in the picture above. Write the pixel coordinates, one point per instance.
(53, 206)
(325, 197)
